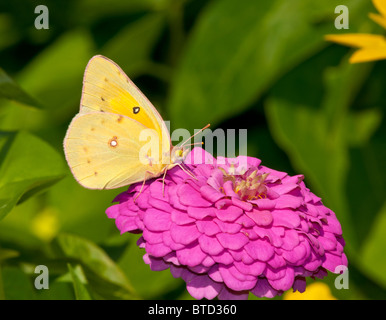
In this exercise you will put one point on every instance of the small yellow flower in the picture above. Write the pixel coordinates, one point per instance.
(45, 224)
(371, 46)
(314, 291)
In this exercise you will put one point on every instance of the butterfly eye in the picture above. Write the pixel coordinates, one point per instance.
(136, 110)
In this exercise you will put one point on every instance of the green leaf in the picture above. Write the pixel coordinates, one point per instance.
(105, 278)
(79, 283)
(28, 165)
(89, 11)
(132, 46)
(54, 77)
(7, 254)
(238, 50)
(17, 285)
(148, 284)
(315, 137)
(59, 69)
(372, 257)
(12, 91)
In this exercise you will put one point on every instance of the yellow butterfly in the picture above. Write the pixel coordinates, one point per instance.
(105, 146)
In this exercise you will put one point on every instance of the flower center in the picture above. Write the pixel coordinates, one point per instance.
(249, 186)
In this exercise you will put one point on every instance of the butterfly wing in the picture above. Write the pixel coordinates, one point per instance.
(106, 88)
(105, 151)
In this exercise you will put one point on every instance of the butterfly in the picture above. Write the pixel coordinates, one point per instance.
(118, 137)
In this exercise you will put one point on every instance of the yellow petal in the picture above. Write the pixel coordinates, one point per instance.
(378, 19)
(381, 6)
(45, 224)
(368, 54)
(314, 291)
(358, 40)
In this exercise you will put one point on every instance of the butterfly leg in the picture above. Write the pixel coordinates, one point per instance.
(187, 171)
(143, 184)
(163, 182)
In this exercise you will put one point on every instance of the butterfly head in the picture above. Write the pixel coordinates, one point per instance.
(178, 154)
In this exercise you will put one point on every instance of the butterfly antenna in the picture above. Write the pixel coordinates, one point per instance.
(206, 127)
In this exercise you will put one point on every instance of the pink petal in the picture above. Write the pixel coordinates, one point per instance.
(263, 289)
(284, 283)
(181, 218)
(125, 224)
(229, 275)
(299, 284)
(174, 199)
(232, 241)
(201, 213)
(255, 269)
(155, 189)
(333, 225)
(157, 250)
(156, 264)
(259, 250)
(277, 262)
(288, 201)
(290, 240)
(228, 227)
(243, 205)
(167, 240)
(285, 218)
(261, 217)
(113, 211)
(208, 227)
(224, 258)
(227, 294)
(295, 255)
(190, 197)
(191, 256)
(210, 245)
(332, 261)
(152, 237)
(229, 214)
(157, 220)
(203, 287)
(214, 274)
(184, 234)
(328, 241)
(211, 194)
(264, 204)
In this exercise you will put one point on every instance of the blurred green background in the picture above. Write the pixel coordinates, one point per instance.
(259, 65)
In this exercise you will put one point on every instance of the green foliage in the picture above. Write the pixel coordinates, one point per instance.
(259, 65)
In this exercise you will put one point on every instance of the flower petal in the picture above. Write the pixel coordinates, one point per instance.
(190, 197)
(203, 287)
(259, 250)
(157, 220)
(185, 234)
(232, 241)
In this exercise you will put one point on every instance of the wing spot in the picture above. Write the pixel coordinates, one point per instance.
(92, 129)
(85, 149)
(88, 161)
(106, 80)
(95, 173)
(103, 99)
(120, 119)
(136, 110)
(113, 142)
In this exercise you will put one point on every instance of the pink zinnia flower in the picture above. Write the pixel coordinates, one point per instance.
(232, 230)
